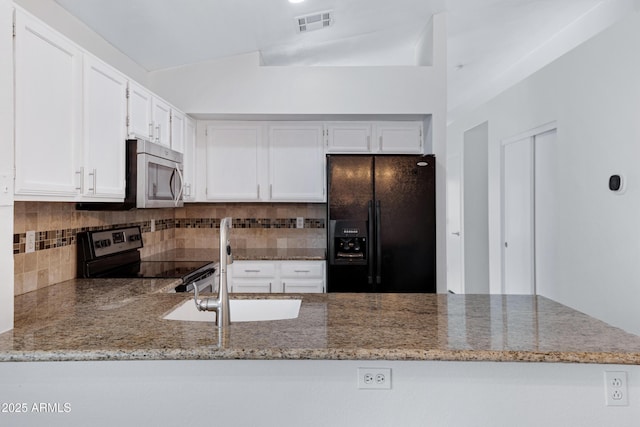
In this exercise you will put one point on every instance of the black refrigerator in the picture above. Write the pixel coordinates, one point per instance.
(381, 234)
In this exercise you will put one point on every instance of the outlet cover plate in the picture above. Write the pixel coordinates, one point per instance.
(616, 389)
(374, 378)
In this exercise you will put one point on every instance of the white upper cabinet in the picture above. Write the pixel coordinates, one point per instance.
(48, 112)
(263, 162)
(348, 137)
(161, 114)
(104, 130)
(232, 167)
(389, 137)
(399, 137)
(189, 159)
(140, 120)
(296, 163)
(150, 117)
(177, 130)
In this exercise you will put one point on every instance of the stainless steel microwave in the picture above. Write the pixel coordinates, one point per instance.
(153, 178)
(159, 175)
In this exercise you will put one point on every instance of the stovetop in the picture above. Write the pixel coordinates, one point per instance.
(157, 269)
(115, 253)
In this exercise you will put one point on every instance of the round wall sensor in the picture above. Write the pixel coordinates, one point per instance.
(616, 184)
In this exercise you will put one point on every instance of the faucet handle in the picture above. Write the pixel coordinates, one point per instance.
(229, 254)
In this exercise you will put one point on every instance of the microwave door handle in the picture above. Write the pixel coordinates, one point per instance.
(179, 196)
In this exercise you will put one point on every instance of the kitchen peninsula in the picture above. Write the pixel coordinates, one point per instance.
(121, 319)
(102, 347)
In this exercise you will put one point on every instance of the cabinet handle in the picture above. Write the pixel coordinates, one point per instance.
(252, 271)
(271, 191)
(258, 191)
(81, 179)
(151, 130)
(302, 271)
(93, 174)
(369, 142)
(270, 287)
(284, 287)
(158, 134)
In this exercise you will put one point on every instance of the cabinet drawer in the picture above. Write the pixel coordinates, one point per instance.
(251, 286)
(303, 286)
(253, 269)
(302, 270)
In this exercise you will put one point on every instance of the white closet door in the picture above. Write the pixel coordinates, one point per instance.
(547, 202)
(518, 245)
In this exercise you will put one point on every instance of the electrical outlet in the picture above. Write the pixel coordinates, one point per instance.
(374, 378)
(153, 225)
(31, 241)
(300, 222)
(615, 388)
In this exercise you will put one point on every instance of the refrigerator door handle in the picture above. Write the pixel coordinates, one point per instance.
(370, 220)
(378, 245)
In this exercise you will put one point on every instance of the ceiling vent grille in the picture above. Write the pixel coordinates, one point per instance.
(314, 21)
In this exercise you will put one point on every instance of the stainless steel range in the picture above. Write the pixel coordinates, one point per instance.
(115, 253)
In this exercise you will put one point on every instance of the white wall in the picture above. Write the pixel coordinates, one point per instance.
(314, 393)
(593, 93)
(6, 168)
(59, 19)
(240, 85)
(476, 223)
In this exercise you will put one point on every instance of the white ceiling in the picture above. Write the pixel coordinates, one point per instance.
(491, 43)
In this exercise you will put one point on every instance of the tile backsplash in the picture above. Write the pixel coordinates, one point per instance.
(256, 225)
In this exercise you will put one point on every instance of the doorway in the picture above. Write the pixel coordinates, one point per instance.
(527, 161)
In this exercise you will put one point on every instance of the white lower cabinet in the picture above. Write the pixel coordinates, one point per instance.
(302, 276)
(252, 276)
(277, 276)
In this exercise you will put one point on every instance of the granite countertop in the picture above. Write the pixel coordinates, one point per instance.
(121, 319)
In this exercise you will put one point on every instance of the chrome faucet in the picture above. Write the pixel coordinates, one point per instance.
(220, 304)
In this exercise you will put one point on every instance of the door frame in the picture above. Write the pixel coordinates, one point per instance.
(531, 135)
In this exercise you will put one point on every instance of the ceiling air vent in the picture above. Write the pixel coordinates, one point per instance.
(314, 21)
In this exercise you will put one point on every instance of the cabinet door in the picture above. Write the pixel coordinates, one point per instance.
(161, 115)
(48, 114)
(105, 112)
(232, 166)
(140, 121)
(296, 163)
(399, 137)
(177, 130)
(189, 159)
(348, 137)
